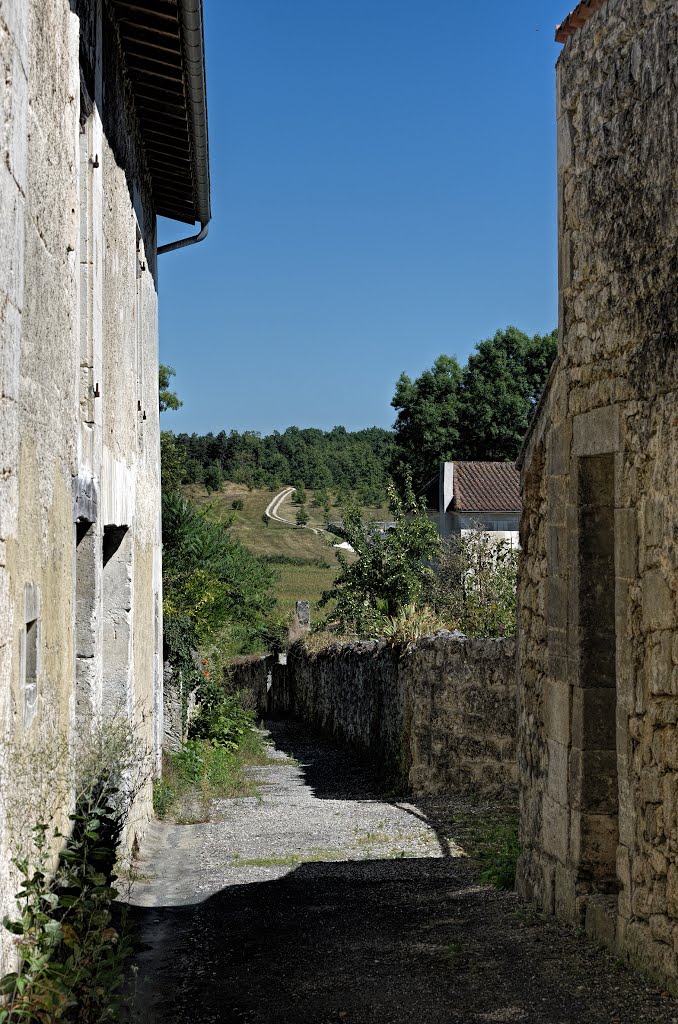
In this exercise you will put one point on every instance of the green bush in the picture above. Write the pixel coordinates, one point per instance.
(221, 717)
(391, 570)
(212, 581)
(72, 954)
(475, 583)
(238, 504)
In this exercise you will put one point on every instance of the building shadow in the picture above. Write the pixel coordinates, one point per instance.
(328, 938)
(333, 773)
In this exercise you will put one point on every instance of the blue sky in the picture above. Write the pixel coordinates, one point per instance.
(383, 191)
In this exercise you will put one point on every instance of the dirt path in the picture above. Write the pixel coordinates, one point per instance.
(327, 900)
(273, 512)
(273, 506)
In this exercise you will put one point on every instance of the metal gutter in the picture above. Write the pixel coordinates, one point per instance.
(193, 41)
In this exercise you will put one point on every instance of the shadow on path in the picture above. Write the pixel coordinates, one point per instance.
(392, 940)
(333, 774)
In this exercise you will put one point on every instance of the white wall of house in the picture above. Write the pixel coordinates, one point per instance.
(502, 525)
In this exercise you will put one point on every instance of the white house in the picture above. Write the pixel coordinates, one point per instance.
(476, 496)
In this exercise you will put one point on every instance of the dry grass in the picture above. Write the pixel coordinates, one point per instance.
(303, 582)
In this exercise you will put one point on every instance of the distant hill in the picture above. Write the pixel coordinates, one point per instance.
(304, 560)
(343, 461)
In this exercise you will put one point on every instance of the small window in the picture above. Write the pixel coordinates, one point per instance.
(30, 680)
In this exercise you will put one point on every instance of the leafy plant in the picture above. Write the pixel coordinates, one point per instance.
(211, 580)
(302, 516)
(474, 585)
(71, 953)
(221, 717)
(391, 570)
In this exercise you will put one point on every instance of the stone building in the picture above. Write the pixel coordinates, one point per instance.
(598, 647)
(103, 128)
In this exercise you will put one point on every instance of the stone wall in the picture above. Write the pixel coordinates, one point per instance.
(80, 579)
(252, 675)
(598, 620)
(440, 714)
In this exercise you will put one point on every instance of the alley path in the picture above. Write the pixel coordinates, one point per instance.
(328, 901)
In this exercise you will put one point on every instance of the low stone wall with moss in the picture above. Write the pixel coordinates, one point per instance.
(439, 714)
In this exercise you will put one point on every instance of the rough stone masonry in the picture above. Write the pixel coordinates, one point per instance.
(598, 646)
(439, 714)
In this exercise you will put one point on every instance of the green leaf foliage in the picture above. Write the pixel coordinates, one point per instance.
(473, 587)
(478, 412)
(210, 580)
(391, 570)
(72, 952)
(427, 425)
(168, 399)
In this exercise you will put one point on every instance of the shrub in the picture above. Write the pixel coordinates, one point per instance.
(302, 516)
(391, 570)
(71, 951)
(214, 477)
(221, 717)
(238, 504)
(474, 586)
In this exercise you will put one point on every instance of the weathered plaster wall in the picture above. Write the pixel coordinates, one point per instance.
(598, 648)
(440, 714)
(78, 356)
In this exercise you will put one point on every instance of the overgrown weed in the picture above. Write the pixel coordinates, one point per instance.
(490, 837)
(199, 773)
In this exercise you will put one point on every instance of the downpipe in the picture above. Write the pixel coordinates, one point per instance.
(183, 242)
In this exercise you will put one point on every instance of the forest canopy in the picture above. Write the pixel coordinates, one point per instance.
(356, 462)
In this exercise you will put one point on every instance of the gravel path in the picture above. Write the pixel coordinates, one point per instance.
(326, 900)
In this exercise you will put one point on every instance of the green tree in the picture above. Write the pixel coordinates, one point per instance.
(426, 430)
(299, 496)
(302, 516)
(172, 462)
(168, 399)
(214, 477)
(480, 411)
(391, 570)
(501, 385)
(211, 581)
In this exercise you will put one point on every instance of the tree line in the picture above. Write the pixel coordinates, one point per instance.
(355, 462)
(477, 411)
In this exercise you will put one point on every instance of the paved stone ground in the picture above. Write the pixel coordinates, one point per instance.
(328, 901)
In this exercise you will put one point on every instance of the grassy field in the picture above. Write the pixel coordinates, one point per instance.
(301, 582)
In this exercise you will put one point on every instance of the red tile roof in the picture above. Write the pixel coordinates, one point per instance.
(486, 487)
(576, 19)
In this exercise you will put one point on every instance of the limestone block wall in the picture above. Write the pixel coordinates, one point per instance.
(598, 620)
(80, 592)
(440, 714)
